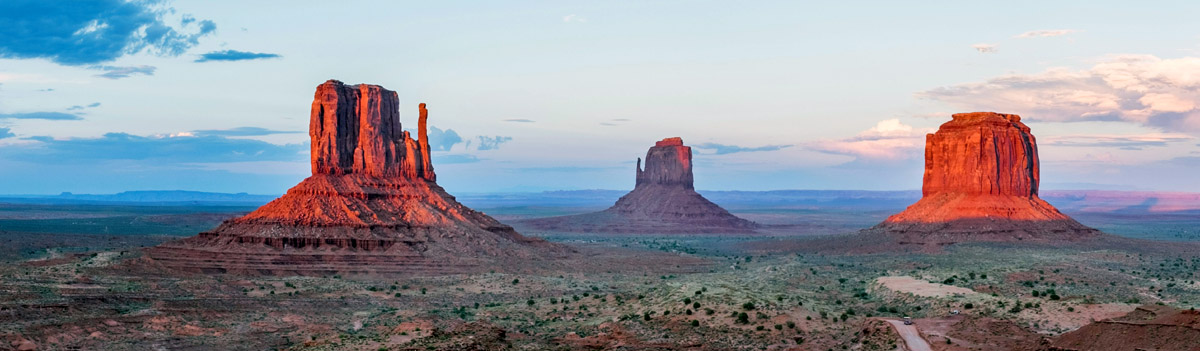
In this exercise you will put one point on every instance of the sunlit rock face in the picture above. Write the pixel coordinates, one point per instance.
(981, 178)
(664, 200)
(372, 205)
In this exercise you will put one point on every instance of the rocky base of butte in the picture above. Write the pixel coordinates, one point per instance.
(981, 184)
(372, 205)
(662, 201)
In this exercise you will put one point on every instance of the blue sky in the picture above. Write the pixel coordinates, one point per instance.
(106, 95)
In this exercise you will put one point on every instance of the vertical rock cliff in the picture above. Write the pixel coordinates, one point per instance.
(668, 163)
(663, 200)
(981, 182)
(371, 206)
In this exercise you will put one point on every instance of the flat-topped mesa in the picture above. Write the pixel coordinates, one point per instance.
(669, 163)
(982, 153)
(981, 182)
(355, 129)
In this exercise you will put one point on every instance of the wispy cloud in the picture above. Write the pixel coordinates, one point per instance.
(450, 159)
(984, 48)
(722, 149)
(118, 72)
(888, 139)
(519, 120)
(80, 107)
(1045, 33)
(234, 55)
(615, 122)
(57, 116)
(85, 33)
(241, 131)
(574, 18)
(1142, 89)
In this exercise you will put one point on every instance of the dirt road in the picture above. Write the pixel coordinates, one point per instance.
(911, 336)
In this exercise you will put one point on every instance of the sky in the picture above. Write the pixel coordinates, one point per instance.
(103, 96)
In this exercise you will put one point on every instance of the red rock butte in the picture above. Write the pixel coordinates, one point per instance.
(372, 205)
(981, 183)
(663, 200)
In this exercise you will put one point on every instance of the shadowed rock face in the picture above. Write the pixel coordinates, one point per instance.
(371, 206)
(668, 163)
(981, 180)
(663, 201)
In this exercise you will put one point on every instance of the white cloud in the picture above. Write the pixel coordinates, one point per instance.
(888, 139)
(984, 48)
(574, 18)
(1046, 33)
(1143, 89)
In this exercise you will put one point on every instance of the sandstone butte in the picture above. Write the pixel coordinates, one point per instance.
(662, 201)
(372, 205)
(981, 183)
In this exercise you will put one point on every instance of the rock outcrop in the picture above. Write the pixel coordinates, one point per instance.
(981, 183)
(663, 200)
(371, 206)
(1149, 327)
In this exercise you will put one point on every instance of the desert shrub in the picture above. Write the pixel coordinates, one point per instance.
(749, 306)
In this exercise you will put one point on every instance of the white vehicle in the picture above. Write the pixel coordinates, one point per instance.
(907, 321)
(953, 312)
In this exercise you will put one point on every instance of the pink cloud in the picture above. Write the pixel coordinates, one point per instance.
(1142, 89)
(888, 139)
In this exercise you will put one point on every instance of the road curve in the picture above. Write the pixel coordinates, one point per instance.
(911, 336)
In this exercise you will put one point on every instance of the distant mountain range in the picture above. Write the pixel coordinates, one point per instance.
(147, 197)
(1066, 200)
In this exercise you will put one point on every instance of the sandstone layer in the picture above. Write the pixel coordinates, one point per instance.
(981, 183)
(372, 205)
(663, 200)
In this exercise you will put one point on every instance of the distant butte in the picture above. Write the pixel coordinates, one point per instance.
(662, 201)
(372, 205)
(981, 184)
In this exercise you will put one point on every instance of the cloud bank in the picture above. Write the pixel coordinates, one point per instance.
(887, 140)
(55, 116)
(1141, 89)
(159, 150)
(89, 32)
